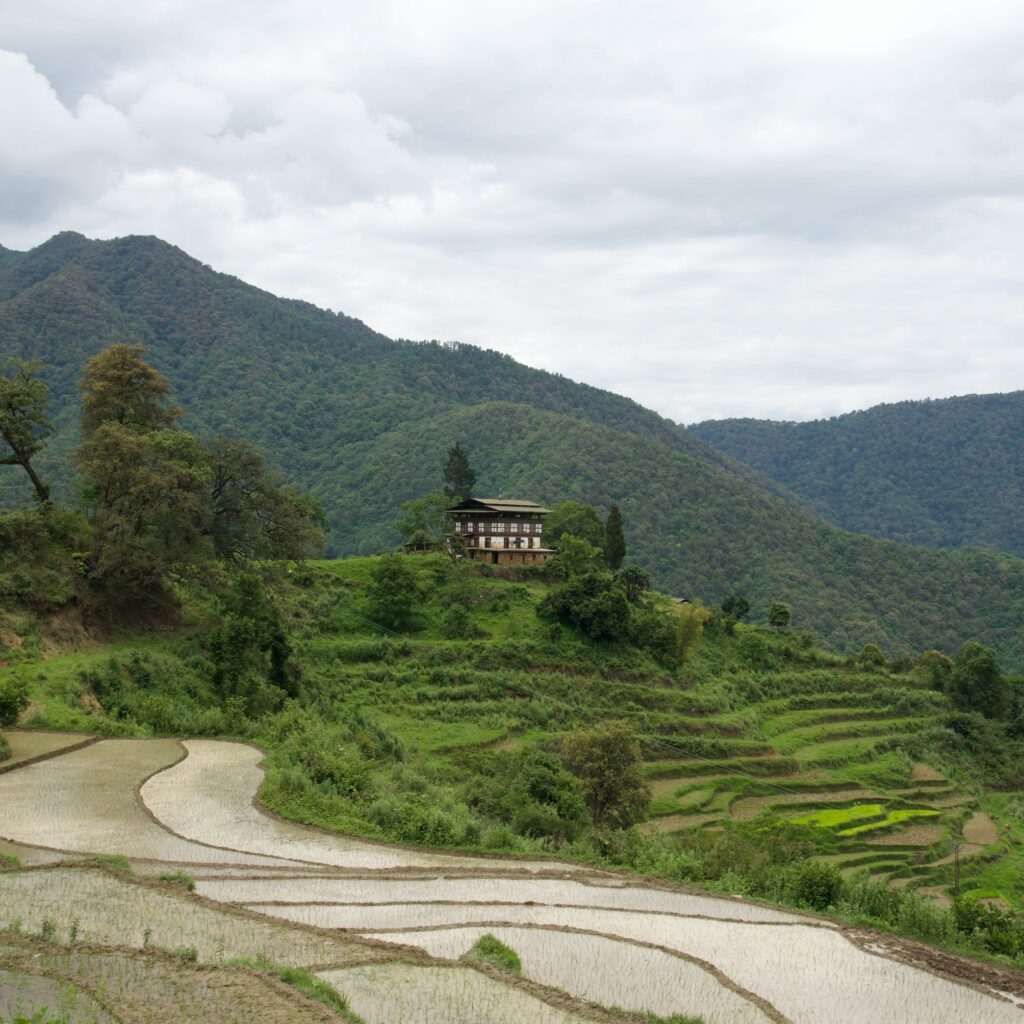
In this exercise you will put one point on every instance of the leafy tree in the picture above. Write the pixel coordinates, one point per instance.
(39, 556)
(736, 606)
(692, 618)
(977, 683)
(607, 761)
(871, 657)
(250, 650)
(255, 515)
(118, 387)
(147, 501)
(532, 791)
(614, 539)
(934, 667)
(577, 519)
(424, 518)
(576, 557)
(592, 603)
(459, 478)
(779, 615)
(23, 423)
(634, 581)
(393, 593)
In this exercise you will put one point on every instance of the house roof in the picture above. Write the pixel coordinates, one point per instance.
(499, 505)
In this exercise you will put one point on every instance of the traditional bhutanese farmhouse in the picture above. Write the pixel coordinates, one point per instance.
(502, 531)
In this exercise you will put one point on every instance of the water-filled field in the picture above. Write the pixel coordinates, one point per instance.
(273, 892)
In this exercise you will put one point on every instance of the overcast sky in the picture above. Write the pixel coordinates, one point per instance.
(782, 209)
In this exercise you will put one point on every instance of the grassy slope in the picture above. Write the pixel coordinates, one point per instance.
(805, 732)
(946, 473)
(364, 423)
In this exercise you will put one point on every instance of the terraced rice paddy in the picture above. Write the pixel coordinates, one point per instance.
(109, 910)
(208, 798)
(34, 744)
(23, 994)
(85, 802)
(438, 995)
(644, 979)
(826, 764)
(157, 988)
(282, 892)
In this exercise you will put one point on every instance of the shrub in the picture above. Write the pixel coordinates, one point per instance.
(815, 885)
(13, 699)
(492, 951)
(607, 761)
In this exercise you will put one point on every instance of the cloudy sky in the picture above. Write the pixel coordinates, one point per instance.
(776, 208)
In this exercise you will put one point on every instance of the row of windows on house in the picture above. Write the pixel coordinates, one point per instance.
(461, 527)
(509, 542)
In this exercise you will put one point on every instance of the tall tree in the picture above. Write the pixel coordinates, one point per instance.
(146, 487)
(608, 762)
(255, 515)
(977, 683)
(459, 478)
(614, 539)
(118, 387)
(23, 423)
(576, 518)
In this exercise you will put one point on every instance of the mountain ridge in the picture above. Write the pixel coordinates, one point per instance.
(946, 472)
(363, 422)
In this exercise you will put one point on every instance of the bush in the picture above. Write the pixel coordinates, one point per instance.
(815, 885)
(593, 603)
(492, 951)
(13, 700)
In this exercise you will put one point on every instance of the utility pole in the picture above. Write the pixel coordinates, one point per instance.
(956, 871)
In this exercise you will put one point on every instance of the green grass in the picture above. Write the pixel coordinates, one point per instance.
(303, 981)
(891, 819)
(493, 951)
(834, 817)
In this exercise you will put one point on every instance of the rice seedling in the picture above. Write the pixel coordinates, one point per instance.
(390, 993)
(119, 911)
(37, 999)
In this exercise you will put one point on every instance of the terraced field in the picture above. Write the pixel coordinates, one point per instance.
(829, 759)
(389, 930)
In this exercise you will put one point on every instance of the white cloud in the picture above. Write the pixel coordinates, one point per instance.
(789, 209)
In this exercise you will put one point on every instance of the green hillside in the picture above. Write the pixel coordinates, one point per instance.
(763, 755)
(947, 473)
(364, 423)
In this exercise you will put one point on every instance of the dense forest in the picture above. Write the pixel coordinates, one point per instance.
(946, 473)
(363, 422)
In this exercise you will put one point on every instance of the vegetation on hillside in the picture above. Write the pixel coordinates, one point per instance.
(361, 422)
(947, 473)
(532, 737)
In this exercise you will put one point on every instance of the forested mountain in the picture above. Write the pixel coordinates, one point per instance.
(364, 422)
(947, 472)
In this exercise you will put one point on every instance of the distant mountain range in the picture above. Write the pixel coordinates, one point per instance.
(947, 473)
(364, 422)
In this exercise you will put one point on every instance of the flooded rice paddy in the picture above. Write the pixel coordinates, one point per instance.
(273, 889)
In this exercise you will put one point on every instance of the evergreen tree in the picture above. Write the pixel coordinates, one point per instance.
(459, 478)
(614, 539)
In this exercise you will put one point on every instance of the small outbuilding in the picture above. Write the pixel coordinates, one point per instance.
(501, 531)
